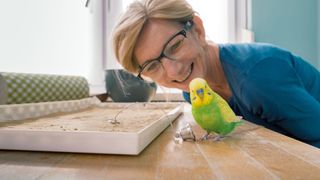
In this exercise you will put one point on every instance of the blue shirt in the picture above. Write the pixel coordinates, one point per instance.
(273, 88)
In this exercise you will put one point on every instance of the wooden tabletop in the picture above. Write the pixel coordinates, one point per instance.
(251, 152)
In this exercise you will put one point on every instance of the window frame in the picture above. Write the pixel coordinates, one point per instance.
(239, 29)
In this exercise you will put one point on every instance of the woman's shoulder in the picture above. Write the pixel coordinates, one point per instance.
(242, 57)
(248, 46)
(247, 50)
(250, 63)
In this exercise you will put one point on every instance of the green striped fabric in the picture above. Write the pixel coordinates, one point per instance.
(17, 88)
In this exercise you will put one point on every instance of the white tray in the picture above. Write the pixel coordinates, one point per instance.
(131, 143)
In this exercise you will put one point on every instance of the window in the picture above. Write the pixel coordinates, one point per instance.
(217, 16)
(224, 21)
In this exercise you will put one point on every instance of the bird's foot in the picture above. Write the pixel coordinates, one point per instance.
(204, 137)
(218, 138)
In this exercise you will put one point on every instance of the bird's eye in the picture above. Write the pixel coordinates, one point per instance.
(209, 93)
(194, 98)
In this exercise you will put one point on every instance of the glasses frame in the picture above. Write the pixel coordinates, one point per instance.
(183, 32)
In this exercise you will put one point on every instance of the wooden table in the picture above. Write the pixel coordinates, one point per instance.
(251, 152)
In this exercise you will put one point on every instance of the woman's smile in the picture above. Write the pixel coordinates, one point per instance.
(186, 76)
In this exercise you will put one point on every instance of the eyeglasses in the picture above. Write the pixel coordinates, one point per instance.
(173, 50)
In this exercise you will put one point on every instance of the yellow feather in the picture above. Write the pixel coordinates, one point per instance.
(198, 83)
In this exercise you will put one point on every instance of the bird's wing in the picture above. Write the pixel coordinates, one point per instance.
(226, 111)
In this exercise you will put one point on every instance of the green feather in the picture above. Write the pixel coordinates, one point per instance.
(211, 111)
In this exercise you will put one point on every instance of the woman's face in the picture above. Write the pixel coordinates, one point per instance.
(189, 58)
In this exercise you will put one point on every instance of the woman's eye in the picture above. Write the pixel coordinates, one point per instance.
(153, 66)
(175, 47)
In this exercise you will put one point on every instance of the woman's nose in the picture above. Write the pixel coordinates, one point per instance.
(172, 68)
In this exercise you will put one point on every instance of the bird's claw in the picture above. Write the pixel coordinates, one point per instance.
(218, 138)
(204, 137)
(207, 136)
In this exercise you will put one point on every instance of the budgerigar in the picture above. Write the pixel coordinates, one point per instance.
(210, 110)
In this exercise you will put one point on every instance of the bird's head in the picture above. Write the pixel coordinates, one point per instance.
(200, 92)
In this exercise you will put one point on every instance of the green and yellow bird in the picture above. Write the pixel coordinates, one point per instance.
(210, 110)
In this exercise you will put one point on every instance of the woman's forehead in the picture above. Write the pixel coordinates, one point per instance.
(152, 38)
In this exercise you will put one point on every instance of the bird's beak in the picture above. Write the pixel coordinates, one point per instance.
(200, 93)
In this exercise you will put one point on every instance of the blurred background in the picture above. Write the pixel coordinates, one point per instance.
(69, 38)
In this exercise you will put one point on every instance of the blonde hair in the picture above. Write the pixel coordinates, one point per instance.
(127, 31)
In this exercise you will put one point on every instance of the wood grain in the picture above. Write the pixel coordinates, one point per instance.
(251, 152)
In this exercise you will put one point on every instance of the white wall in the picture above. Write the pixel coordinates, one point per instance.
(52, 37)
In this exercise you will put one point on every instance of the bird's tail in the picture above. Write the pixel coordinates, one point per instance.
(238, 121)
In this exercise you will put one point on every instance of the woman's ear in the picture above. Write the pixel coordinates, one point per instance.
(199, 29)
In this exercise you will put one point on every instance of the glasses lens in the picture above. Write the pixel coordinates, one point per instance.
(174, 49)
(151, 68)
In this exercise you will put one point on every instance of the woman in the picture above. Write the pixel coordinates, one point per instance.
(165, 41)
